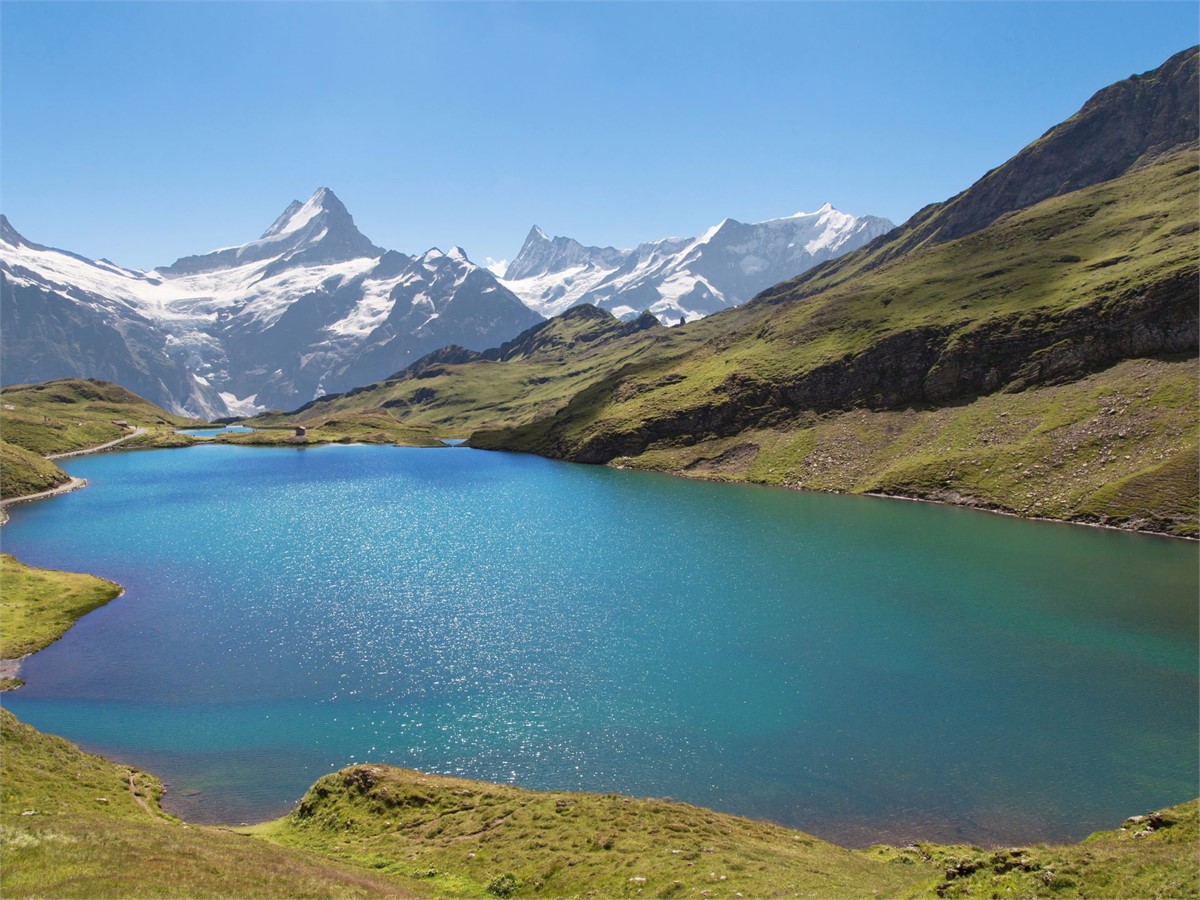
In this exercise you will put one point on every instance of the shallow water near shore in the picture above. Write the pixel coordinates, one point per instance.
(858, 668)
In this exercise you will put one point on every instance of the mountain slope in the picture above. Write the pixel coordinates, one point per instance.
(1046, 296)
(1039, 314)
(1122, 127)
(311, 306)
(683, 278)
(458, 391)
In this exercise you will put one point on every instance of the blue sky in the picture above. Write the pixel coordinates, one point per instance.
(143, 132)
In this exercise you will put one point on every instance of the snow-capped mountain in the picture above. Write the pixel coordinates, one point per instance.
(683, 278)
(310, 307)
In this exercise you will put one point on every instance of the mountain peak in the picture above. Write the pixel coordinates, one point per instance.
(320, 229)
(322, 202)
(8, 234)
(541, 254)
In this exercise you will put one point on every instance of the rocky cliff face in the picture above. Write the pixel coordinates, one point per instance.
(932, 366)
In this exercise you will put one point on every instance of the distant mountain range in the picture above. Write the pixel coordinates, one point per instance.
(314, 307)
(683, 278)
(311, 306)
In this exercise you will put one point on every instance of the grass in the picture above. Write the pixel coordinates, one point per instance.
(456, 837)
(1153, 855)
(23, 472)
(75, 413)
(76, 825)
(38, 605)
(1120, 447)
(442, 836)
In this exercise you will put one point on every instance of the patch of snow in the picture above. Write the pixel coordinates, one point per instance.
(296, 216)
(241, 407)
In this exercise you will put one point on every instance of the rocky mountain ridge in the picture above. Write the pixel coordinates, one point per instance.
(311, 306)
(683, 279)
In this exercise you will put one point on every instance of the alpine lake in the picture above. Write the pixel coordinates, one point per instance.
(862, 669)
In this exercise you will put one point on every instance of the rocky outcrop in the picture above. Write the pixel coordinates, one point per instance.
(920, 366)
(1124, 125)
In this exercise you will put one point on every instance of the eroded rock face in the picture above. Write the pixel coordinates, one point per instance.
(928, 365)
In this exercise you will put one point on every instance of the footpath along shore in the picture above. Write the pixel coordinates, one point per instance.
(85, 451)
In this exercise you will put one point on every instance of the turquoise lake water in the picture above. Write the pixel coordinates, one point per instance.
(215, 430)
(862, 669)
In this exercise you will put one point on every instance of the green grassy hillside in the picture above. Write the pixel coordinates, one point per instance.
(23, 472)
(454, 392)
(76, 413)
(1119, 448)
(442, 836)
(457, 837)
(1045, 295)
(76, 825)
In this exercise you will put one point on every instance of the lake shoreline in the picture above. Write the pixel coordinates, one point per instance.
(386, 467)
(975, 506)
(67, 487)
(1139, 527)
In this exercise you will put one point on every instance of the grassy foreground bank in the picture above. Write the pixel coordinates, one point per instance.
(76, 825)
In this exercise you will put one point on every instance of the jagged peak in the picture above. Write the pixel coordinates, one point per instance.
(541, 254)
(714, 231)
(320, 229)
(297, 215)
(8, 234)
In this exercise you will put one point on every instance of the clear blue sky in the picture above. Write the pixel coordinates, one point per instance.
(143, 132)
